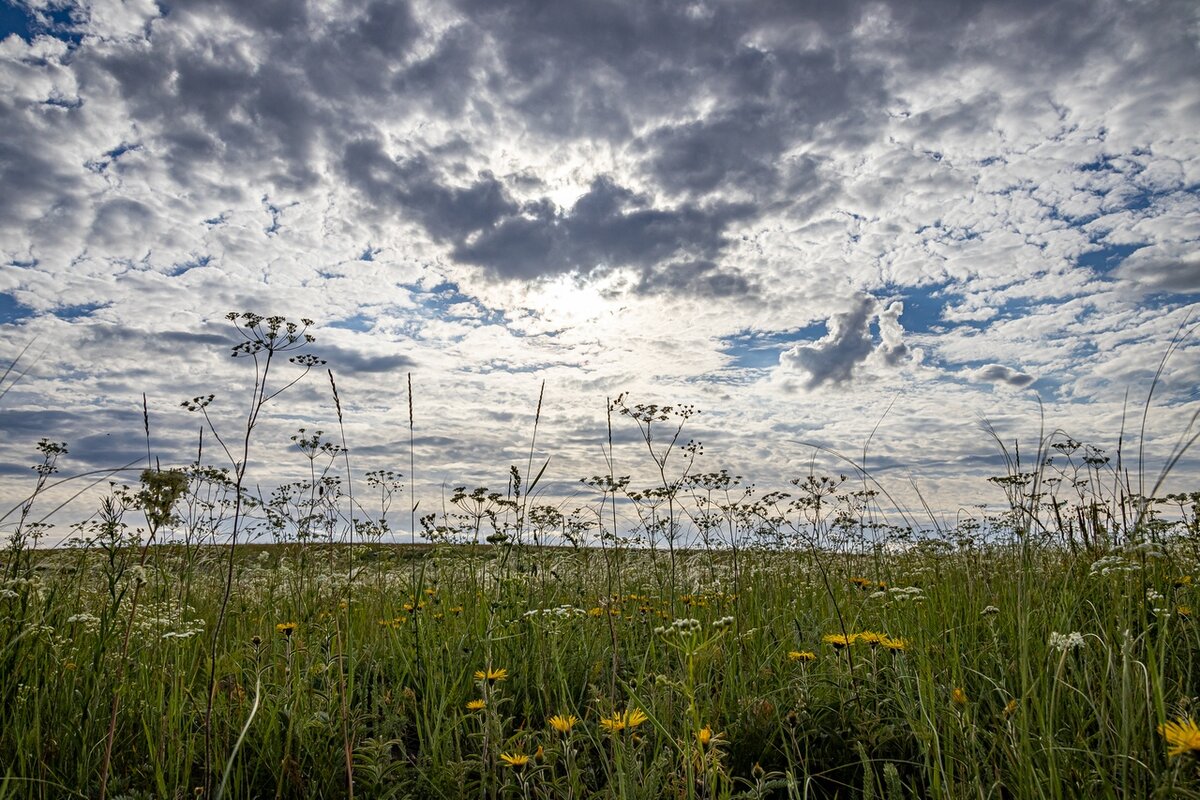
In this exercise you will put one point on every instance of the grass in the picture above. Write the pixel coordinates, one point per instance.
(692, 639)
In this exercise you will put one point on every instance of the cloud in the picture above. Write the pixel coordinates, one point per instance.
(848, 343)
(998, 373)
(1171, 267)
(609, 226)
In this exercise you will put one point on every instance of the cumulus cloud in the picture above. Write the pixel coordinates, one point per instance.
(1000, 374)
(848, 343)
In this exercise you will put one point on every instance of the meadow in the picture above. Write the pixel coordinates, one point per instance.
(690, 638)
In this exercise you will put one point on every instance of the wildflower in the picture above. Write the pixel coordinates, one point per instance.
(862, 583)
(838, 640)
(989, 611)
(723, 622)
(1010, 708)
(1183, 582)
(1183, 611)
(895, 645)
(705, 736)
(619, 722)
(563, 722)
(1066, 641)
(286, 628)
(870, 637)
(476, 705)
(515, 760)
(635, 717)
(958, 696)
(491, 675)
(1182, 735)
(801, 655)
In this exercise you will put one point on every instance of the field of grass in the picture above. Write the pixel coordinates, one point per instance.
(693, 639)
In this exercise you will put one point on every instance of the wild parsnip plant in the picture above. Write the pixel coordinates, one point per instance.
(196, 640)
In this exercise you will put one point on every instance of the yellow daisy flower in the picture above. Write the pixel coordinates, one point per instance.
(801, 655)
(476, 705)
(1182, 735)
(491, 675)
(563, 722)
(515, 760)
(286, 628)
(838, 640)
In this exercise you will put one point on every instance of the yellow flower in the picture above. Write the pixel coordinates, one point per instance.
(705, 737)
(801, 655)
(619, 722)
(563, 722)
(1182, 735)
(635, 717)
(895, 645)
(491, 675)
(958, 696)
(476, 705)
(838, 640)
(1183, 611)
(1010, 708)
(870, 637)
(286, 628)
(515, 760)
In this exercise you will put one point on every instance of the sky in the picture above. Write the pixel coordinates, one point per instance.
(828, 226)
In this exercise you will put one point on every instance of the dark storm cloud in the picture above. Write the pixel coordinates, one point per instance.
(412, 187)
(609, 226)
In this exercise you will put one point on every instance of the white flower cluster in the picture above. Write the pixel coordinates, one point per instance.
(1110, 565)
(559, 612)
(8, 594)
(723, 622)
(1063, 642)
(679, 626)
(989, 611)
(900, 594)
(1157, 604)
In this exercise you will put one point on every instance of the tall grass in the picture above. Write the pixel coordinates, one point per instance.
(696, 638)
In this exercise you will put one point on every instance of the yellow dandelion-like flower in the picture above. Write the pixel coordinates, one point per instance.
(515, 760)
(1010, 708)
(476, 705)
(838, 640)
(635, 717)
(491, 675)
(706, 736)
(595, 611)
(563, 722)
(870, 637)
(1183, 611)
(1183, 581)
(286, 628)
(1182, 735)
(631, 718)
(456, 610)
(958, 696)
(801, 655)
(613, 724)
(861, 583)
(895, 645)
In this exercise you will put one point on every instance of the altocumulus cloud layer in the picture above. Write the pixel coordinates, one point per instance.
(790, 214)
